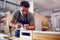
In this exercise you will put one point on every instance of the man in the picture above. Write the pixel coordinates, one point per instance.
(24, 17)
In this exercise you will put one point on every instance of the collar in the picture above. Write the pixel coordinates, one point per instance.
(21, 12)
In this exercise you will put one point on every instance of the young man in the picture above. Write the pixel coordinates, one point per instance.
(24, 17)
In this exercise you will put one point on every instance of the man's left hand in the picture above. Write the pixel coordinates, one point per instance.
(26, 26)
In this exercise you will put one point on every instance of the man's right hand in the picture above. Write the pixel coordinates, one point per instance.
(18, 25)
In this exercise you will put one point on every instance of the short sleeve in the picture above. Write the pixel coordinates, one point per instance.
(14, 15)
(31, 18)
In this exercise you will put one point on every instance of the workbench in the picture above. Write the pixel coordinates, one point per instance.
(38, 35)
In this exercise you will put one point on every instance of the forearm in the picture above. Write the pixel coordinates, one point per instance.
(31, 28)
(13, 25)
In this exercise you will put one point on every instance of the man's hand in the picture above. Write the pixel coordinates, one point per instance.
(26, 26)
(18, 25)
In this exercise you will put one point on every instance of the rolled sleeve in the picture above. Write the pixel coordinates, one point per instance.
(14, 15)
(32, 19)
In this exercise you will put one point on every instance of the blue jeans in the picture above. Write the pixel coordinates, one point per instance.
(17, 33)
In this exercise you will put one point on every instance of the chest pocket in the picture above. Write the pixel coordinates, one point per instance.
(25, 21)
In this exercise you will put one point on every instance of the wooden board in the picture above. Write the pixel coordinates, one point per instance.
(45, 37)
(8, 18)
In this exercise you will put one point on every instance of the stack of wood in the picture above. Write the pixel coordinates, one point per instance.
(44, 21)
(7, 20)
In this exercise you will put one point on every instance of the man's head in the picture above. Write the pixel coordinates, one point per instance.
(24, 6)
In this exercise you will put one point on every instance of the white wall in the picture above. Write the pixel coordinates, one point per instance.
(31, 6)
(10, 6)
(13, 1)
(13, 7)
(46, 13)
(1, 4)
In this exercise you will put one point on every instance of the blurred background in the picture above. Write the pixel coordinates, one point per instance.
(7, 7)
(46, 14)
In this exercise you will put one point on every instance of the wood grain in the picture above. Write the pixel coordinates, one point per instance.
(45, 37)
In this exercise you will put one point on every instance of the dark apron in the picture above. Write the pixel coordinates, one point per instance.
(17, 32)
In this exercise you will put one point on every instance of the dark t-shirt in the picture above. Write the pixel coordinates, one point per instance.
(29, 16)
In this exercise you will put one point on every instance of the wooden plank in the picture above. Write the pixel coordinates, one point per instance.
(46, 37)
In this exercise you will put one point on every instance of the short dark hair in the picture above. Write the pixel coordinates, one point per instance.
(25, 4)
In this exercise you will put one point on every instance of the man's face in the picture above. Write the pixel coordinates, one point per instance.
(24, 10)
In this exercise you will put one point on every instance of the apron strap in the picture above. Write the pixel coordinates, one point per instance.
(22, 21)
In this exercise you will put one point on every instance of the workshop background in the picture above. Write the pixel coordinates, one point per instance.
(46, 14)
